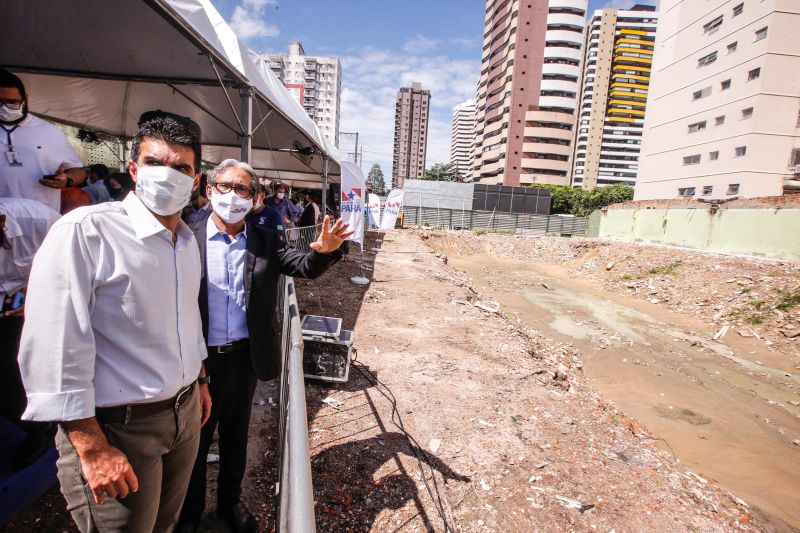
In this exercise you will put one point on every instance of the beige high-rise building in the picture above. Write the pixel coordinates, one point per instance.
(618, 56)
(316, 82)
(723, 117)
(527, 92)
(462, 139)
(410, 134)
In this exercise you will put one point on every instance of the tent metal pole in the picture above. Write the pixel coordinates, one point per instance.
(247, 120)
(122, 156)
(325, 162)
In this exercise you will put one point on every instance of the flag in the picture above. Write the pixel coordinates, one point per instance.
(393, 204)
(374, 210)
(352, 205)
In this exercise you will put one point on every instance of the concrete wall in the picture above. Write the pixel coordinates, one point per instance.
(439, 194)
(766, 232)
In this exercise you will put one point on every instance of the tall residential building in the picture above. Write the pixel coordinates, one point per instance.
(618, 56)
(462, 139)
(527, 90)
(410, 134)
(316, 82)
(723, 118)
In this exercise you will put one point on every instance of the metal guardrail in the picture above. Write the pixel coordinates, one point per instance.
(294, 492)
(493, 221)
(301, 238)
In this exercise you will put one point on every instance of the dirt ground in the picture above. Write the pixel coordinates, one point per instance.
(457, 418)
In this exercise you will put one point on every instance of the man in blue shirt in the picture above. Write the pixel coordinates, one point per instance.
(241, 267)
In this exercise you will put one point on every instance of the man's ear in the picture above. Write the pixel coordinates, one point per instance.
(197, 178)
(131, 166)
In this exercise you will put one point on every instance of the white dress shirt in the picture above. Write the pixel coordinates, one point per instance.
(41, 148)
(27, 223)
(111, 314)
(225, 259)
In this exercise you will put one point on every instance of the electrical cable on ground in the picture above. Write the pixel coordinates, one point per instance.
(412, 442)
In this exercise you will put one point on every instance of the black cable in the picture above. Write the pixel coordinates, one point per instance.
(412, 442)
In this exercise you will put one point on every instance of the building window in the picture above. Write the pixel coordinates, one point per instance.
(707, 60)
(712, 26)
(719, 121)
(697, 126)
(747, 113)
(713, 156)
(740, 151)
(686, 191)
(702, 93)
(761, 34)
(754, 74)
(725, 85)
(732, 47)
(691, 159)
(707, 189)
(733, 188)
(737, 10)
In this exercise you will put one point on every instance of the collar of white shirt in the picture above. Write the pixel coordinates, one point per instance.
(146, 225)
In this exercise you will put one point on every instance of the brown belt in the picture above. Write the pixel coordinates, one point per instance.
(122, 414)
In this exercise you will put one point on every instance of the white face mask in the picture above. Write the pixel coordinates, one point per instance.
(11, 115)
(281, 195)
(230, 207)
(164, 190)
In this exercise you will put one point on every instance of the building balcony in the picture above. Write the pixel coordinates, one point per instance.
(547, 164)
(554, 133)
(559, 85)
(546, 148)
(565, 18)
(564, 36)
(558, 101)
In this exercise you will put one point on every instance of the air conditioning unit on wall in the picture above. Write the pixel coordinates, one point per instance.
(796, 169)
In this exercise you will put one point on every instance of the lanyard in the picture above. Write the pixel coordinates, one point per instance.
(8, 136)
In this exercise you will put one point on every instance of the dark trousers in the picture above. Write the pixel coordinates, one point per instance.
(13, 400)
(233, 384)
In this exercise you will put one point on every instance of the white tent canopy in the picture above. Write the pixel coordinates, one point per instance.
(98, 65)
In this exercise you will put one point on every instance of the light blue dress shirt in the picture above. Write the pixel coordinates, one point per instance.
(225, 261)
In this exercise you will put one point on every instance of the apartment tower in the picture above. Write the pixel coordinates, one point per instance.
(527, 91)
(618, 56)
(723, 117)
(316, 82)
(410, 134)
(462, 139)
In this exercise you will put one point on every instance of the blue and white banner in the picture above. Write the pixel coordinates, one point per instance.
(394, 202)
(373, 211)
(352, 206)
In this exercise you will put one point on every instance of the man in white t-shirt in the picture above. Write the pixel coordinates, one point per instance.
(32, 149)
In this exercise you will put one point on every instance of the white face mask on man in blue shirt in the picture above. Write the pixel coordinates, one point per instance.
(163, 190)
(230, 207)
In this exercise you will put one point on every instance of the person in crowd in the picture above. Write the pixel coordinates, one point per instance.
(265, 218)
(241, 267)
(112, 347)
(198, 207)
(296, 208)
(311, 212)
(279, 203)
(23, 226)
(73, 197)
(37, 158)
(119, 184)
(96, 184)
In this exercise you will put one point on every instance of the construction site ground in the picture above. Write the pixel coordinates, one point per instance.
(543, 384)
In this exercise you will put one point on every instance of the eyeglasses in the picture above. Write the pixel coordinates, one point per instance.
(13, 105)
(224, 188)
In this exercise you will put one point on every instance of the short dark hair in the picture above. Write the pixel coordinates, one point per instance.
(8, 79)
(100, 169)
(170, 128)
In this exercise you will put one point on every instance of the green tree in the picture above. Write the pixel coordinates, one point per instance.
(580, 202)
(441, 172)
(375, 177)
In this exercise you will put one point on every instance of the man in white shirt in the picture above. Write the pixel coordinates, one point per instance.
(113, 343)
(23, 226)
(37, 158)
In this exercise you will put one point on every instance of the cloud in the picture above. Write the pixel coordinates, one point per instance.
(419, 44)
(248, 20)
(466, 42)
(371, 80)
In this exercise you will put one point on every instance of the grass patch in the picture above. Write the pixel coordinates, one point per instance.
(745, 290)
(667, 270)
(788, 300)
(758, 305)
(755, 319)
(627, 277)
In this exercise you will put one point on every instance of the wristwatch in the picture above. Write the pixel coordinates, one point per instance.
(204, 380)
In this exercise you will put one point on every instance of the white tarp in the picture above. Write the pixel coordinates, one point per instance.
(373, 211)
(393, 204)
(139, 55)
(352, 206)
